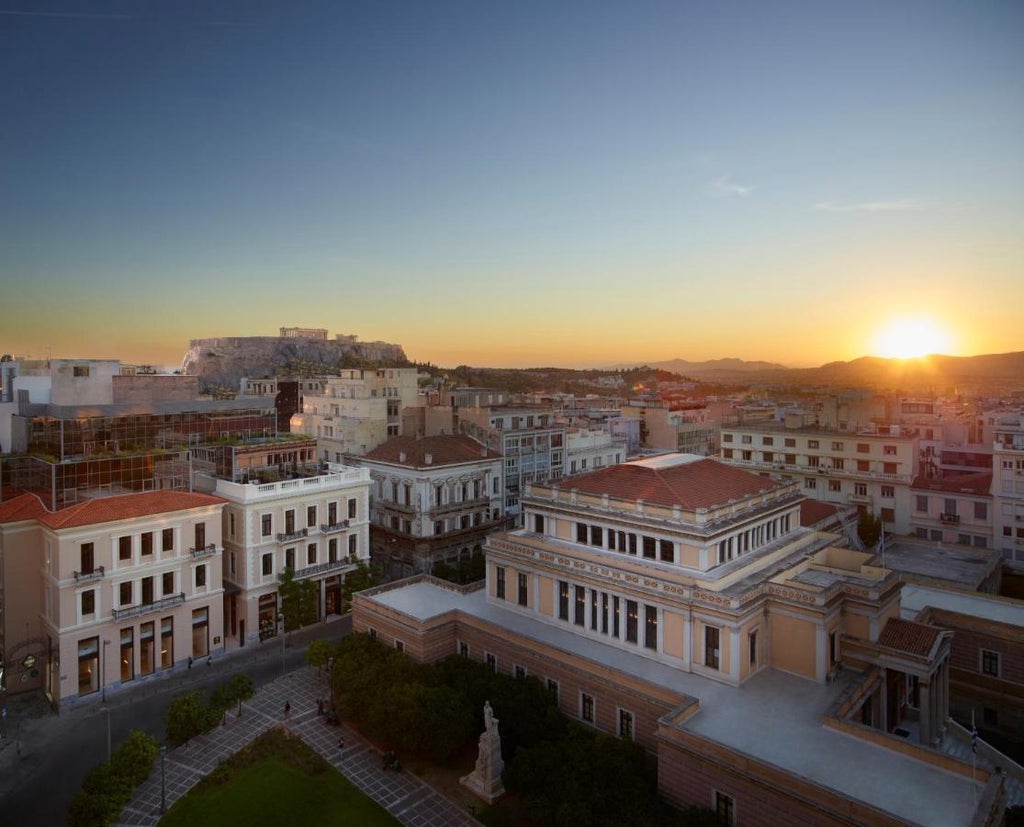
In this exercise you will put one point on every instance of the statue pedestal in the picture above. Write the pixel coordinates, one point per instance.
(485, 780)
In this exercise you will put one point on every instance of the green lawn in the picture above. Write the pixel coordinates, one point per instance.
(277, 780)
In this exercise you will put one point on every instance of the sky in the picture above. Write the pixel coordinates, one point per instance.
(513, 184)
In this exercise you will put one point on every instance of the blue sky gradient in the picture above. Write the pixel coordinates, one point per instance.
(511, 184)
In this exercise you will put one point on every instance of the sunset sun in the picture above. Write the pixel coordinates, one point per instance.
(908, 338)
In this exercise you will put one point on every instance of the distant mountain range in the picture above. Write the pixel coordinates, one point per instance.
(1001, 370)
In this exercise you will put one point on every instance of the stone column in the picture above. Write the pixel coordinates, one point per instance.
(927, 713)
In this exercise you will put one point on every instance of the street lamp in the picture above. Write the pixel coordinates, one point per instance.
(280, 617)
(107, 710)
(163, 780)
(103, 671)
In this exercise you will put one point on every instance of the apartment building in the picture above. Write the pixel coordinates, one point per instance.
(678, 602)
(1008, 486)
(530, 440)
(108, 591)
(872, 470)
(315, 525)
(953, 508)
(587, 449)
(432, 500)
(358, 410)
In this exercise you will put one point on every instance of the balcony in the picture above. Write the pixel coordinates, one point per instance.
(288, 536)
(85, 576)
(476, 503)
(331, 528)
(324, 568)
(146, 608)
(204, 551)
(860, 499)
(950, 519)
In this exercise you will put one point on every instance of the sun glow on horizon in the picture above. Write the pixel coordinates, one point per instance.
(909, 338)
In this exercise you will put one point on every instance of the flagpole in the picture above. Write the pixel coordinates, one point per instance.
(974, 751)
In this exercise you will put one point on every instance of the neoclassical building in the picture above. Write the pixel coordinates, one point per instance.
(678, 601)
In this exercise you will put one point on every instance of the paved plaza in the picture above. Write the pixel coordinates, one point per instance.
(403, 795)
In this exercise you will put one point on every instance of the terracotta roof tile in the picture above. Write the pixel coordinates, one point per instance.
(449, 449)
(813, 512)
(976, 484)
(908, 636)
(700, 483)
(104, 509)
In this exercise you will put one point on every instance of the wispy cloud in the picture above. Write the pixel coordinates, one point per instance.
(65, 14)
(900, 205)
(723, 186)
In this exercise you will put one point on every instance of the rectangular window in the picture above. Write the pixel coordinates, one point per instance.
(596, 536)
(352, 508)
(124, 548)
(752, 647)
(835, 486)
(311, 554)
(464, 649)
(632, 544)
(492, 661)
(863, 448)
(580, 616)
(200, 535)
(167, 537)
(167, 643)
(522, 589)
(124, 594)
(553, 689)
(499, 582)
(888, 515)
(147, 542)
(519, 671)
(668, 551)
(604, 613)
(889, 450)
(353, 546)
(147, 590)
(990, 663)
(289, 558)
(399, 645)
(625, 724)
(837, 446)
(200, 632)
(586, 707)
(310, 515)
(789, 442)
(812, 443)
(127, 654)
(981, 511)
(538, 523)
(888, 492)
(332, 513)
(615, 616)
(650, 547)
(725, 809)
(268, 564)
(147, 648)
(88, 665)
(581, 532)
(711, 651)
(563, 600)
(632, 621)
(921, 503)
(266, 525)
(88, 560)
(168, 583)
(89, 602)
(201, 577)
(651, 627)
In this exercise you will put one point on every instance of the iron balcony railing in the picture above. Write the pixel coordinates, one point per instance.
(146, 608)
(85, 576)
(285, 536)
(330, 528)
(323, 568)
(204, 551)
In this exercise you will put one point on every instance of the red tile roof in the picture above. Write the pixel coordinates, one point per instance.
(975, 484)
(813, 512)
(701, 483)
(908, 636)
(104, 509)
(449, 449)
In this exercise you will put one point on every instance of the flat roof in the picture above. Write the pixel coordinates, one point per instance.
(959, 566)
(773, 717)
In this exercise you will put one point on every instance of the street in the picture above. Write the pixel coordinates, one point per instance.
(56, 752)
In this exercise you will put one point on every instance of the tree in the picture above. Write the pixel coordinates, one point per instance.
(317, 654)
(300, 601)
(869, 528)
(187, 716)
(363, 576)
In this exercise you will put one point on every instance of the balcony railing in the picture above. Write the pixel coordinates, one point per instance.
(146, 608)
(863, 499)
(204, 551)
(85, 576)
(286, 536)
(951, 519)
(330, 528)
(323, 568)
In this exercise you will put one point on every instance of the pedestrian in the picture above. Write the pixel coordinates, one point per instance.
(190, 662)
(319, 706)
(209, 661)
(287, 709)
(341, 743)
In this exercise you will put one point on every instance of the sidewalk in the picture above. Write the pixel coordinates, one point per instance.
(32, 730)
(403, 795)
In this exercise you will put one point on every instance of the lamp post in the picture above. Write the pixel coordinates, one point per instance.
(163, 780)
(103, 671)
(280, 617)
(107, 710)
